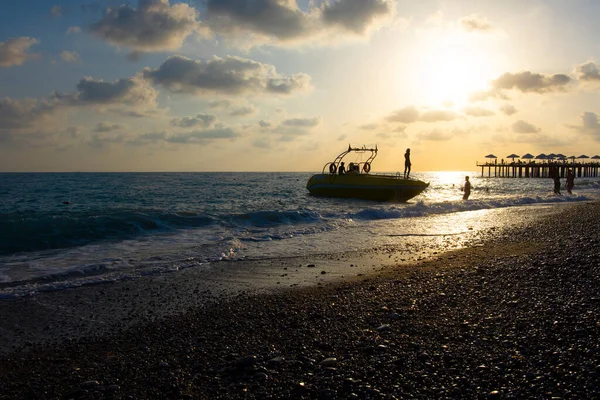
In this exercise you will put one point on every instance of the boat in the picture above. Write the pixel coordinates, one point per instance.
(356, 180)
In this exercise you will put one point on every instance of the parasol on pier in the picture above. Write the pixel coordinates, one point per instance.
(560, 155)
(490, 156)
(541, 157)
(596, 157)
(528, 156)
(550, 156)
(582, 156)
(513, 156)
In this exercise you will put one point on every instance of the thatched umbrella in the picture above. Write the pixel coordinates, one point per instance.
(513, 156)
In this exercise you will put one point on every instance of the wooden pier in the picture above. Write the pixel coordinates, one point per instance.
(518, 169)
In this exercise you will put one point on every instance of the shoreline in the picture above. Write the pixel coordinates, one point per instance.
(479, 321)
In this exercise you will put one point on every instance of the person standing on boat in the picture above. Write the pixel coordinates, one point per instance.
(342, 169)
(407, 163)
(466, 189)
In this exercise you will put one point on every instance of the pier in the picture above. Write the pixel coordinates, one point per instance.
(533, 169)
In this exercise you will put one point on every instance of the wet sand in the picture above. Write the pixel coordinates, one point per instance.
(515, 314)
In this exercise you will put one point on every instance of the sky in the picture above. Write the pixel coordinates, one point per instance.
(284, 85)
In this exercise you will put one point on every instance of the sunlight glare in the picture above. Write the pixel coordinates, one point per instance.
(450, 68)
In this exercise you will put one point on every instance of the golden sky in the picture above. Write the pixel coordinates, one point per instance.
(284, 85)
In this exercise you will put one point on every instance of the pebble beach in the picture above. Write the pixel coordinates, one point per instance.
(513, 316)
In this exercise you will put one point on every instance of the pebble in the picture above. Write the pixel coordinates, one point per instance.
(328, 362)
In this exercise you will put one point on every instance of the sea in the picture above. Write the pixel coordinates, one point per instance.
(64, 230)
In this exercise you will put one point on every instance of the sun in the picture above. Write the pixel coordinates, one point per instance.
(451, 67)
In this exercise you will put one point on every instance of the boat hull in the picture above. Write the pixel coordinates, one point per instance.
(365, 186)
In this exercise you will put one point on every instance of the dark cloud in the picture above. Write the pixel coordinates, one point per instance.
(589, 71)
(133, 92)
(524, 127)
(17, 114)
(264, 124)
(508, 109)
(262, 143)
(203, 120)
(15, 51)
(475, 22)
(231, 75)
(356, 15)
(532, 82)
(107, 127)
(153, 26)
(280, 19)
(478, 112)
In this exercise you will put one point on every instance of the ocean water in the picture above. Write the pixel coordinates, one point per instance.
(60, 230)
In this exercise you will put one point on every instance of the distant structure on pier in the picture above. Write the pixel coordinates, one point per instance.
(540, 166)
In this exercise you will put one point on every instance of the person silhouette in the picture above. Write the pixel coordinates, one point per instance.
(342, 169)
(570, 180)
(466, 188)
(407, 163)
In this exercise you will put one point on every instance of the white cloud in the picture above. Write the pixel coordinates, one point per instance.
(475, 22)
(478, 112)
(15, 51)
(70, 56)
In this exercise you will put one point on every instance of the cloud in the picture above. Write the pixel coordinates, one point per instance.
(527, 81)
(590, 125)
(15, 51)
(478, 112)
(438, 115)
(243, 111)
(219, 104)
(262, 143)
(229, 75)
(589, 71)
(200, 136)
(302, 122)
(153, 26)
(474, 23)
(369, 127)
(524, 127)
(70, 56)
(411, 114)
(282, 22)
(356, 15)
(406, 115)
(204, 120)
(25, 113)
(436, 135)
(72, 30)
(106, 127)
(508, 109)
(133, 92)
(56, 11)
(275, 18)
